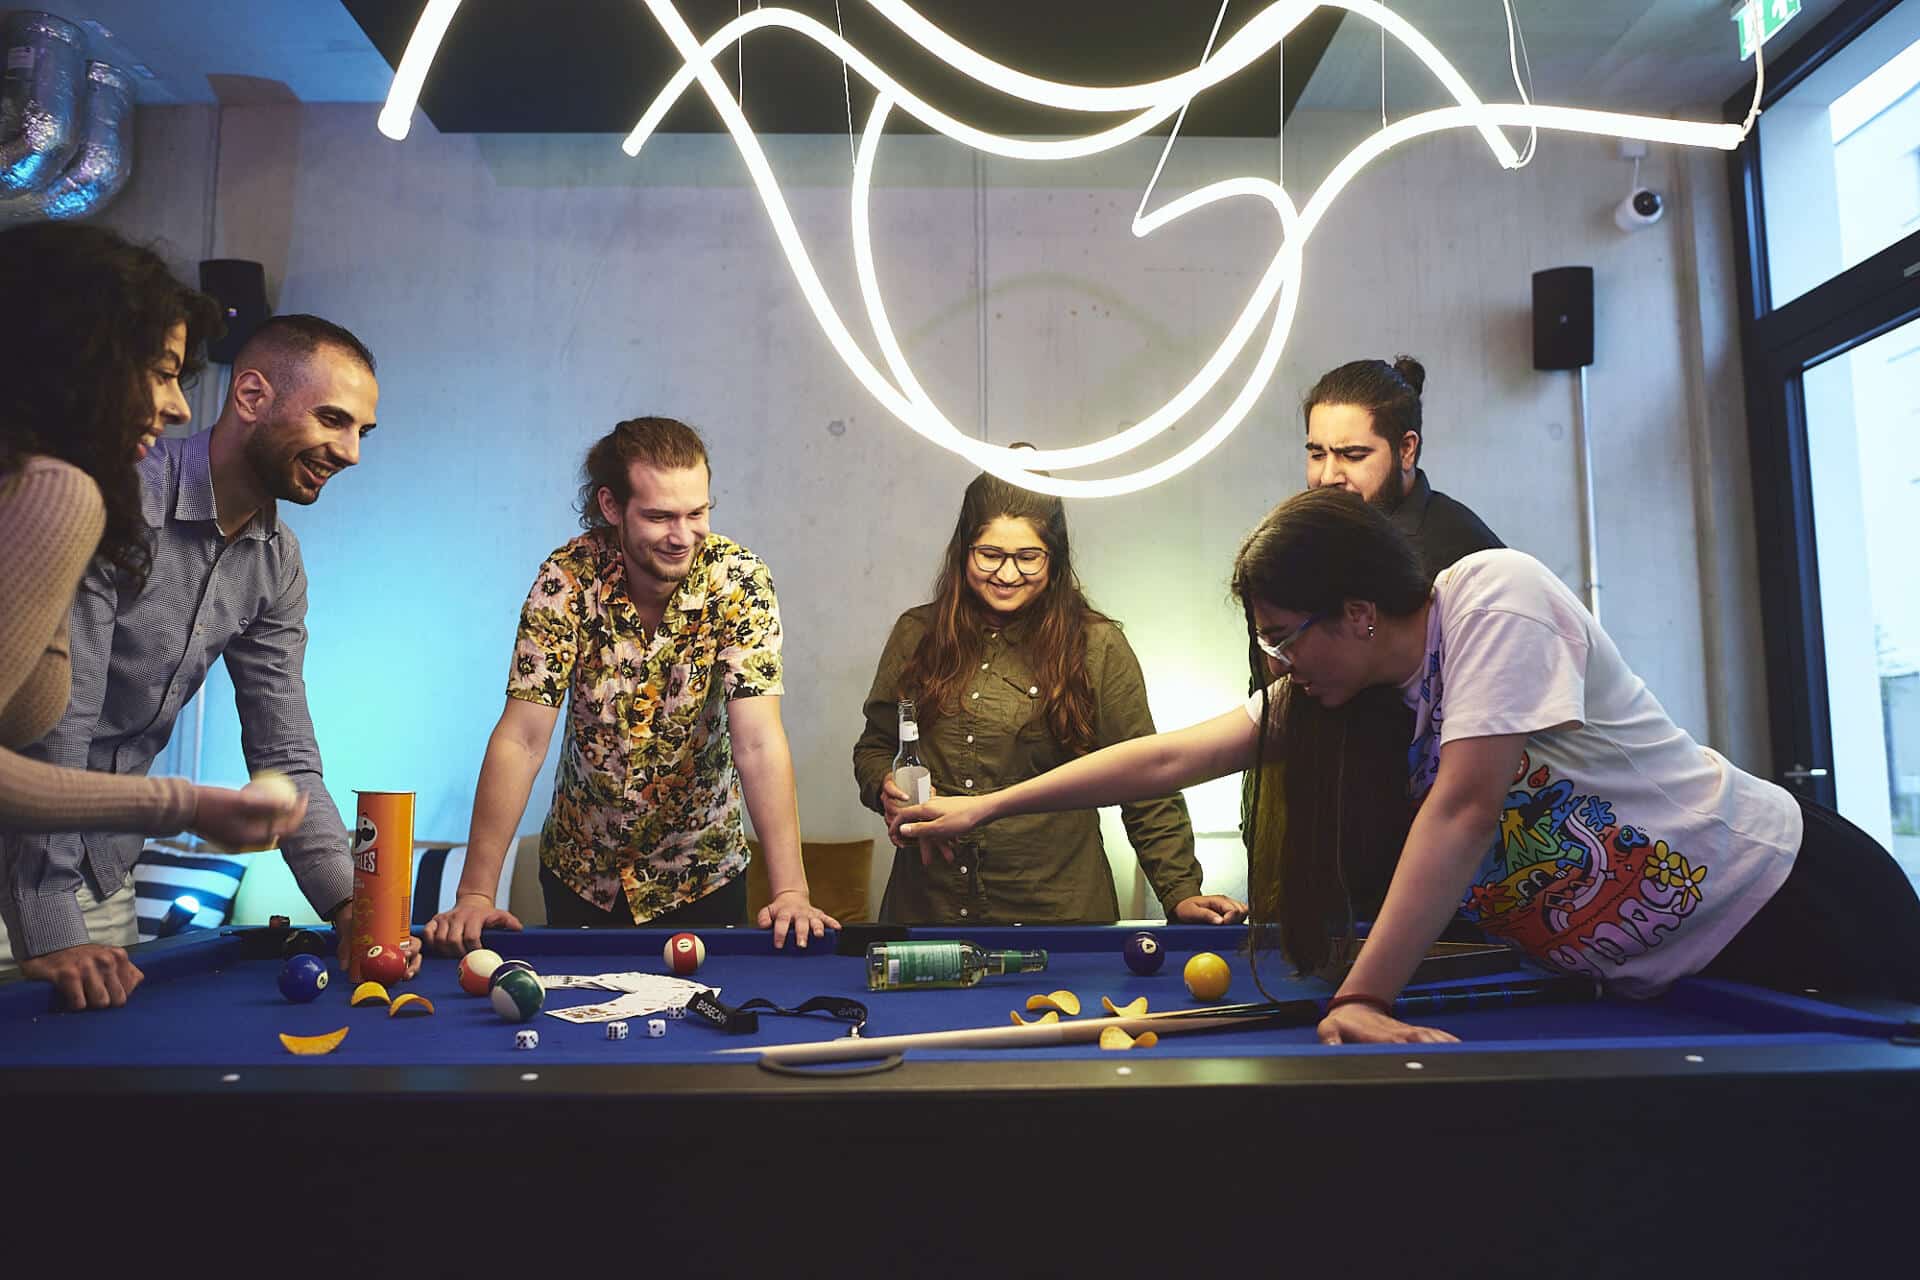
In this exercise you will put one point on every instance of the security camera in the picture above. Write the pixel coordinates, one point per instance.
(1641, 209)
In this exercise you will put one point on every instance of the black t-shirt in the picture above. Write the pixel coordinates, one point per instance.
(1441, 529)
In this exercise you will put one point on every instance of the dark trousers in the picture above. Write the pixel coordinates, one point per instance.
(568, 910)
(1846, 921)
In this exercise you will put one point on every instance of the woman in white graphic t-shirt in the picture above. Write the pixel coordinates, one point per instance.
(1546, 796)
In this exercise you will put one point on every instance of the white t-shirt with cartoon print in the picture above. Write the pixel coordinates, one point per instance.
(1625, 849)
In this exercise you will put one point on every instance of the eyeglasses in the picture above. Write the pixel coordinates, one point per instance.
(1029, 561)
(1278, 649)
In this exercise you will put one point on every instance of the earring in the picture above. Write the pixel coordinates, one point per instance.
(1369, 631)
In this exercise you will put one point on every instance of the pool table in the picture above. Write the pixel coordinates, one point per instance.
(1588, 1107)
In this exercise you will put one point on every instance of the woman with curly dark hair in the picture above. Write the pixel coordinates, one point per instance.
(1013, 672)
(96, 339)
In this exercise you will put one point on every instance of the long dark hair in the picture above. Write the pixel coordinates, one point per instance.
(940, 664)
(1327, 809)
(83, 323)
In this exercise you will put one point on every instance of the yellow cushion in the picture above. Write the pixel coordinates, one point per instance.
(839, 876)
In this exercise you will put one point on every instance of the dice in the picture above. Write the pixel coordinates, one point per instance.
(526, 1039)
(656, 1027)
(616, 1031)
(678, 1012)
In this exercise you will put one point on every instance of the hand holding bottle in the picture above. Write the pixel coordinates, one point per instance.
(894, 801)
(940, 821)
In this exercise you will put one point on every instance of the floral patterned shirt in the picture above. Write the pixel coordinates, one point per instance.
(646, 804)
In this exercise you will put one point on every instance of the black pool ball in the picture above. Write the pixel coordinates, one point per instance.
(506, 967)
(1144, 954)
(303, 942)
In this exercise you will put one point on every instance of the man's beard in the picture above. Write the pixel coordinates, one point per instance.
(1392, 491)
(272, 469)
(650, 565)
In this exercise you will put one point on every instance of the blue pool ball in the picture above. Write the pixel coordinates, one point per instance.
(303, 978)
(1144, 954)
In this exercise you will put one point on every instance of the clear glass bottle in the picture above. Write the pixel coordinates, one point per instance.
(913, 966)
(909, 773)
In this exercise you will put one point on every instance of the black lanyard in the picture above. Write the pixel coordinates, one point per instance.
(742, 1019)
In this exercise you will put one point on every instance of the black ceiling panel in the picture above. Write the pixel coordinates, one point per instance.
(591, 66)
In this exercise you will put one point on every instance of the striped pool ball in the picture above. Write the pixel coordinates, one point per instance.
(476, 971)
(518, 996)
(684, 953)
(506, 967)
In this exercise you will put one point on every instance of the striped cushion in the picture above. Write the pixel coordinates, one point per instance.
(436, 877)
(163, 874)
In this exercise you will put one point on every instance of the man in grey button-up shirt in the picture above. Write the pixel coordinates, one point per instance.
(227, 581)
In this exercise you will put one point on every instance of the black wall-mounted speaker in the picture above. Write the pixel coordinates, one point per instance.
(240, 287)
(1563, 318)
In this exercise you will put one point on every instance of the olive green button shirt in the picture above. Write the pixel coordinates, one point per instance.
(1047, 868)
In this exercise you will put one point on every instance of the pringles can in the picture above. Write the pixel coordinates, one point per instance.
(382, 873)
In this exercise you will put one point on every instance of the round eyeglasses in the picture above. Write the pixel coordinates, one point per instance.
(1028, 561)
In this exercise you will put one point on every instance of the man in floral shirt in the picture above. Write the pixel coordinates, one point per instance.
(663, 640)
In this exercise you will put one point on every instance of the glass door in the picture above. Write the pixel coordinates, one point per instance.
(1827, 222)
(1863, 448)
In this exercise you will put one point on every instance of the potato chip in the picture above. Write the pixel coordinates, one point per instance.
(1043, 1019)
(307, 1046)
(369, 993)
(1115, 1038)
(1132, 1009)
(1065, 1001)
(411, 1006)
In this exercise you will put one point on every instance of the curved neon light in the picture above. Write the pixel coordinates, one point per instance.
(898, 390)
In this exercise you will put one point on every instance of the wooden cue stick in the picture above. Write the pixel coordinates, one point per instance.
(1035, 1035)
(1026, 1036)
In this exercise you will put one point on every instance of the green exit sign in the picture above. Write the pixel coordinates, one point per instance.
(1760, 20)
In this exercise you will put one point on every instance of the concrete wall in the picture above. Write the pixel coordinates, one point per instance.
(524, 293)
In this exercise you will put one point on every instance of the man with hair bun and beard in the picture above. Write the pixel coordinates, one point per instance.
(1365, 434)
(226, 581)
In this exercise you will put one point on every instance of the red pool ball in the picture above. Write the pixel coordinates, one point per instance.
(1144, 954)
(384, 965)
(684, 953)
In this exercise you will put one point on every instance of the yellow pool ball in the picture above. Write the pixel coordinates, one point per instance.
(1207, 976)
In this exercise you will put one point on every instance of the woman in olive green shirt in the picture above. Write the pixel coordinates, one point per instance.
(1013, 673)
